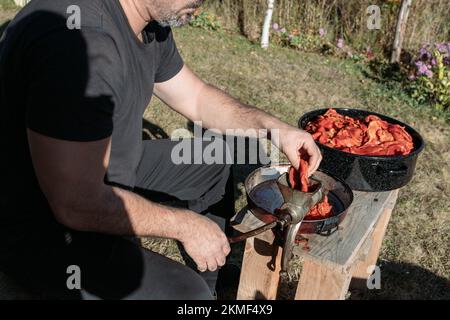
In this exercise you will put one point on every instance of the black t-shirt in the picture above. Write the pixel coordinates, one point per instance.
(77, 85)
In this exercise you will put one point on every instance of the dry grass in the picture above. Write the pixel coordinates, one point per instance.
(414, 257)
(342, 18)
(6, 15)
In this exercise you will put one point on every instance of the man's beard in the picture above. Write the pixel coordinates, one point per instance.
(175, 20)
(172, 19)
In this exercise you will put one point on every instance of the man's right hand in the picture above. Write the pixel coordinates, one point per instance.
(206, 243)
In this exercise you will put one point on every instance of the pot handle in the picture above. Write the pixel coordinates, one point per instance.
(398, 172)
(403, 170)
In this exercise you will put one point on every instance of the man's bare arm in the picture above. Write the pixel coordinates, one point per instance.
(198, 101)
(71, 175)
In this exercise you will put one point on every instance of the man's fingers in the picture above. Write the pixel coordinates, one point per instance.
(212, 264)
(202, 266)
(220, 261)
(295, 161)
(319, 162)
(226, 249)
(314, 163)
(315, 158)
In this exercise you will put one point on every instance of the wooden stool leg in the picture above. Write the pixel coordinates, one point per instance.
(322, 282)
(259, 281)
(360, 275)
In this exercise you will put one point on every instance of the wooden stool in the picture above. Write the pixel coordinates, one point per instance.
(331, 265)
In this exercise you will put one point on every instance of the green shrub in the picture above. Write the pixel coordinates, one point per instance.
(430, 77)
(299, 40)
(207, 21)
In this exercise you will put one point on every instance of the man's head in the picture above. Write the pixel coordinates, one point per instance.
(173, 13)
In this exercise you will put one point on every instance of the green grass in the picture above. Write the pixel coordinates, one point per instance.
(288, 83)
(7, 5)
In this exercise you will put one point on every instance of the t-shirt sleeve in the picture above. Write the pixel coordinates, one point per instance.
(73, 80)
(171, 62)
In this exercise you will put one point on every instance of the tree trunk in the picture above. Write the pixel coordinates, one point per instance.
(267, 24)
(400, 30)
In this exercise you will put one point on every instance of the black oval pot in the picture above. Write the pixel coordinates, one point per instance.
(368, 173)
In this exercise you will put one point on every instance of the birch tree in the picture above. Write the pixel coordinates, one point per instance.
(400, 30)
(267, 23)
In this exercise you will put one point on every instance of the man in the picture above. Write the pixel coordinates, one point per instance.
(74, 164)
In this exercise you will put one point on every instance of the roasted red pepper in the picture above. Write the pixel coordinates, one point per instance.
(298, 179)
(373, 136)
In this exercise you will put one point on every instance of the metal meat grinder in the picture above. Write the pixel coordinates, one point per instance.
(289, 208)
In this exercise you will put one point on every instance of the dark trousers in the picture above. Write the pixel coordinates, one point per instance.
(205, 189)
(113, 267)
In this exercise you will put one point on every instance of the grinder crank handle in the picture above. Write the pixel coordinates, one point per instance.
(257, 231)
(253, 233)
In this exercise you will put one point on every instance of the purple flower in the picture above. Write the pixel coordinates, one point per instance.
(340, 43)
(412, 77)
(429, 73)
(275, 26)
(322, 32)
(424, 53)
(283, 30)
(442, 47)
(423, 69)
(447, 61)
(433, 62)
(418, 64)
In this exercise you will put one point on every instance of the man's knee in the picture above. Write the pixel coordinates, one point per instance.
(215, 181)
(186, 284)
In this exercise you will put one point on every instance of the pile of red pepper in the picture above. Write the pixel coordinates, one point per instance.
(298, 179)
(372, 136)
